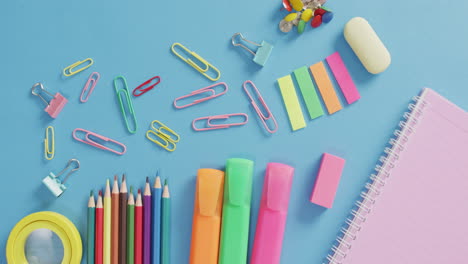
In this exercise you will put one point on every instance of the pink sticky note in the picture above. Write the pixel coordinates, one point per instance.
(327, 180)
(343, 78)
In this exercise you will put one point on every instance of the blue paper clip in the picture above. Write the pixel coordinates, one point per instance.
(261, 55)
(55, 185)
(126, 94)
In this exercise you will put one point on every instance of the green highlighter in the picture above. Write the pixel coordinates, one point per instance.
(236, 212)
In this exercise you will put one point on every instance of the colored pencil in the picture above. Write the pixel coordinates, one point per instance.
(91, 227)
(123, 222)
(138, 229)
(166, 226)
(115, 222)
(156, 220)
(107, 225)
(130, 228)
(99, 230)
(147, 223)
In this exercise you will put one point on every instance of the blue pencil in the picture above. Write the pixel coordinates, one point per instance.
(156, 221)
(91, 223)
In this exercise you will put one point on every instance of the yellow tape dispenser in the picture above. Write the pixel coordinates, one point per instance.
(44, 237)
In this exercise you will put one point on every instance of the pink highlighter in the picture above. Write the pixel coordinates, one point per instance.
(272, 215)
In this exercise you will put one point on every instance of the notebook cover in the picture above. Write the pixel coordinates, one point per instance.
(420, 214)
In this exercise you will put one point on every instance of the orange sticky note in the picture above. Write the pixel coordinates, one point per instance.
(326, 88)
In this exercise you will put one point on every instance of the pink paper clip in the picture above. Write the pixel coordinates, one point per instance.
(87, 140)
(211, 92)
(92, 81)
(141, 90)
(210, 126)
(264, 117)
(56, 104)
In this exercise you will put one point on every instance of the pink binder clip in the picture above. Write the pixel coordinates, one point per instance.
(88, 140)
(210, 126)
(92, 81)
(209, 90)
(56, 104)
(264, 113)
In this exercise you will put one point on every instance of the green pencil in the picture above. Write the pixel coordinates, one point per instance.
(166, 226)
(130, 227)
(91, 222)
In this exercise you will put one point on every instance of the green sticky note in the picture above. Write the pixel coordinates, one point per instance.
(288, 91)
(309, 92)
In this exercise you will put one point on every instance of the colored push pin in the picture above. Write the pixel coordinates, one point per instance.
(55, 184)
(263, 52)
(56, 104)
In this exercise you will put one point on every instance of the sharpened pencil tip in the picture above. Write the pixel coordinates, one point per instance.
(115, 177)
(123, 177)
(157, 173)
(165, 182)
(131, 189)
(139, 191)
(100, 193)
(147, 179)
(91, 193)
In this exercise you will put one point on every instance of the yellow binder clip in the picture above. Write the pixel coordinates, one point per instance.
(167, 138)
(69, 71)
(204, 65)
(49, 143)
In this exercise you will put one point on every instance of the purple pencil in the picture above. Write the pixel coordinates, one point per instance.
(147, 223)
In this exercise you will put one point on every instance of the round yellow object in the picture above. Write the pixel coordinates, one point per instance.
(290, 17)
(297, 4)
(307, 15)
(57, 223)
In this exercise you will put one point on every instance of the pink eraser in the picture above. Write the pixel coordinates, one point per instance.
(327, 180)
(56, 105)
(343, 78)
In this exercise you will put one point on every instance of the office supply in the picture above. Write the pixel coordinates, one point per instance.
(205, 66)
(99, 231)
(167, 138)
(69, 70)
(262, 53)
(166, 225)
(236, 211)
(264, 112)
(412, 208)
(89, 86)
(209, 125)
(138, 246)
(131, 228)
(98, 141)
(129, 103)
(325, 87)
(49, 143)
(209, 90)
(367, 45)
(303, 12)
(53, 182)
(343, 78)
(55, 105)
(50, 222)
(293, 108)
(147, 223)
(115, 222)
(156, 220)
(311, 99)
(328, 178)
(107, 224)
(206, 227)
(91, 228)
(272, 215)
(146, 86)
(123, 222)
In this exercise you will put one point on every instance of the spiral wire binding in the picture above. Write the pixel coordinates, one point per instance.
(376, 183)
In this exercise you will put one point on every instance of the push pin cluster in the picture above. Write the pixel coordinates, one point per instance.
(304, 11)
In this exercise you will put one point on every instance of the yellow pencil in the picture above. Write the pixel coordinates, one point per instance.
(107, 224)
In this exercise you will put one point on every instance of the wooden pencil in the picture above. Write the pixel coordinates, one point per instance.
(115, 222)
(130, 228)
(99, 232)
(147, 223)
(166, 226)
(107, 225)
(123, 222)
(91, 227)
(156, 220)
(138, 229)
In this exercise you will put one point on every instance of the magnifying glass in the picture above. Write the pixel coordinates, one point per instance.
(44, 238)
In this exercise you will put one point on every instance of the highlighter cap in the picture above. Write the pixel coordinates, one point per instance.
(209, 190)
(278, 183)
(238, 185)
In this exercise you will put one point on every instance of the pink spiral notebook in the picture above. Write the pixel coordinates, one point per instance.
(414, 209)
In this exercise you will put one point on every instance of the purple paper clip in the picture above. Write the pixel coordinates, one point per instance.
(56, 104)
(264, 115)
(210, 126)
(87, 140)
(92, 81)
(209, 89)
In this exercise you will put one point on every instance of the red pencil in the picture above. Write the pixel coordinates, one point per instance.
(99, 231)
(138, 229)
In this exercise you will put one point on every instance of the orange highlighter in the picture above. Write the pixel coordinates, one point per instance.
(206, 226)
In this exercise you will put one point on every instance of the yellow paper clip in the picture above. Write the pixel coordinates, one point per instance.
(49, 143)
(205, 67)
(167, 137)
(68, 71)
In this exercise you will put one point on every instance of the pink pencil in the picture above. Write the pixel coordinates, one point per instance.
(147, 224)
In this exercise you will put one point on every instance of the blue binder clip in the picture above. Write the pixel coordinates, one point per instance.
(55, 185)
(261, 55)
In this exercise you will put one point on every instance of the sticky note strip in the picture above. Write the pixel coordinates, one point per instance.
(296, 118)
(326, 88)
(343, 78)
(327, 180)
(308, 91)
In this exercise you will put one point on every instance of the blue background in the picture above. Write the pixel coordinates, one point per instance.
(427, 40)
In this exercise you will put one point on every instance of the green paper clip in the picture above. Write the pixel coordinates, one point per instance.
(126, 93)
